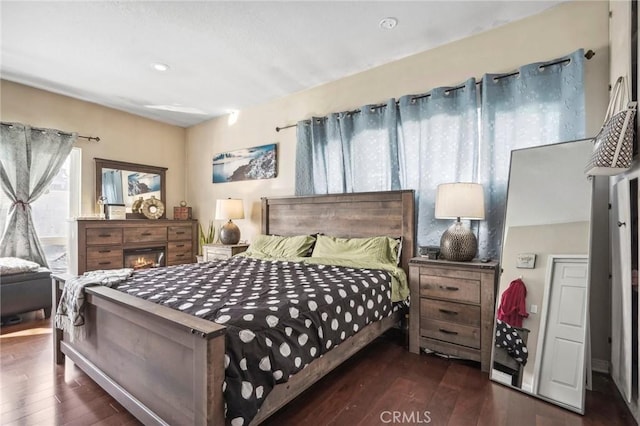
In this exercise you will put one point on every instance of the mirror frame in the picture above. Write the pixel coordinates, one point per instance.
(102, 163)
(538, 343)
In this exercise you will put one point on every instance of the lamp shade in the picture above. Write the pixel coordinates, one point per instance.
(229, 209)
(460, 200)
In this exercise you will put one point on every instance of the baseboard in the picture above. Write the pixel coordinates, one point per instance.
(600, 365)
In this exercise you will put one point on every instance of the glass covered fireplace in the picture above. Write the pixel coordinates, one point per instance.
(148, 257)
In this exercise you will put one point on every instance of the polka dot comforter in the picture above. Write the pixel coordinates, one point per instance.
(279, 315)
(507, 337)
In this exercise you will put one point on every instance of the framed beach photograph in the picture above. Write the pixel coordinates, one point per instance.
(259, 162)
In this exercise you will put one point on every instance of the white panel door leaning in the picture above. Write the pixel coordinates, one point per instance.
(562, 370)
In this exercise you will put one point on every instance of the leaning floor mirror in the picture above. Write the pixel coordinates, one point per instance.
(540, 336)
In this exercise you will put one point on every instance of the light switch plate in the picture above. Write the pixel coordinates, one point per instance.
(526, 260)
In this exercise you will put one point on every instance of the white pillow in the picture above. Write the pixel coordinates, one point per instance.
(14, 265)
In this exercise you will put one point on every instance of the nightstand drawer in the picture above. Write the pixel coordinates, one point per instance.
(451, 332)
(450, 312)
(220, 252)
(462, 290)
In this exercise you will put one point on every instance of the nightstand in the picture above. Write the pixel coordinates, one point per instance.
(221, 251)
(452, 308)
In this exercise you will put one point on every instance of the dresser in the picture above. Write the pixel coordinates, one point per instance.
(104, 244)
(452, 308)
(221, 251)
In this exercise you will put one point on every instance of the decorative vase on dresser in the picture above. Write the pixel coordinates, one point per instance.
(452, 308)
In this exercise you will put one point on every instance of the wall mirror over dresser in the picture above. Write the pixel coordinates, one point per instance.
(540, 346)
(119, 182)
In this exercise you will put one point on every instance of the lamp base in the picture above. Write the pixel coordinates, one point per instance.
(229, 233)
(458, 243)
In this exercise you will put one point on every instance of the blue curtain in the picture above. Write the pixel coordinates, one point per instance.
(438, 135)
(354, 151)
(29, 160)
(540, 105)
(112, 186)
(443, 136)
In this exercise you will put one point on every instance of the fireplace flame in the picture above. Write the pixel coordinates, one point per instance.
(143, 262)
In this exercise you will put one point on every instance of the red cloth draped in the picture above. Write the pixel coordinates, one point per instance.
(512, 304)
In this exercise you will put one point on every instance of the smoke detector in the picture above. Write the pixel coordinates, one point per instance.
(388, 23)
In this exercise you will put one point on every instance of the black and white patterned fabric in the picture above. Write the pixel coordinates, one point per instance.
(280, 316)
(508, 338)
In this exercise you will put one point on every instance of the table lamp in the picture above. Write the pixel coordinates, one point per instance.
(459, 201)
(229, 209)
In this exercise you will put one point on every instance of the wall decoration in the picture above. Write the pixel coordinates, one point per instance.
(259, 162)
(142, 183)
(526, 261)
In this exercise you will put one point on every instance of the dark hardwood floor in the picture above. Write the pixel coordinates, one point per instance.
(383, 384)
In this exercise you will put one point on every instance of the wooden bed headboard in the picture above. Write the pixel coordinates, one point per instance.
(352, 215)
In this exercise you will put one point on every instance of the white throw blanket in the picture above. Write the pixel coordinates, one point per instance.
(70, 311)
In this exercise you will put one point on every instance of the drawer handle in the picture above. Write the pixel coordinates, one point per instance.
(442, 330)
(446, 311)
(104, 235)
(104, 251)
(179, 232)
(104, 263)
(444, 287)
(180, 255)
(179, 245)
(146, 234)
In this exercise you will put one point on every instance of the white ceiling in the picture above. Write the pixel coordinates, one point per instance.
(223, 56)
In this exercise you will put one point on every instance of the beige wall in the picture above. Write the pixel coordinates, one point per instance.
(551, 34)
(543, 240)
(123, 136)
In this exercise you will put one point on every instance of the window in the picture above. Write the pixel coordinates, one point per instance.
(52, 211)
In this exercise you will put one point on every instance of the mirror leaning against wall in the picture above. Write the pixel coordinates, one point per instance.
(540, 335)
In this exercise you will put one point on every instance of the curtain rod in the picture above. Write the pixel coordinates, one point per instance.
(89, 138)
(589, 54)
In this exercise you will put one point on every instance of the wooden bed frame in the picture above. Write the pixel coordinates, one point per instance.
(167, 367)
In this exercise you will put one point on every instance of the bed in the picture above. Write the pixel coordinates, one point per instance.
(167, 367)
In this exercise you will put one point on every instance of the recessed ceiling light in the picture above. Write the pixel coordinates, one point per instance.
(159, 67)
(388, 23)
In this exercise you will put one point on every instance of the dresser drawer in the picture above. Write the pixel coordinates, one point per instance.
(140, 235)
(104, 236)
(179, 252)
(176, 233)
(451, 332)
(104, 252)
(450, 312)
(97, 260)
(458, 289)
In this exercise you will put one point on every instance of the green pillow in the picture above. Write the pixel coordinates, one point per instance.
(371, 249)
(281, 247)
